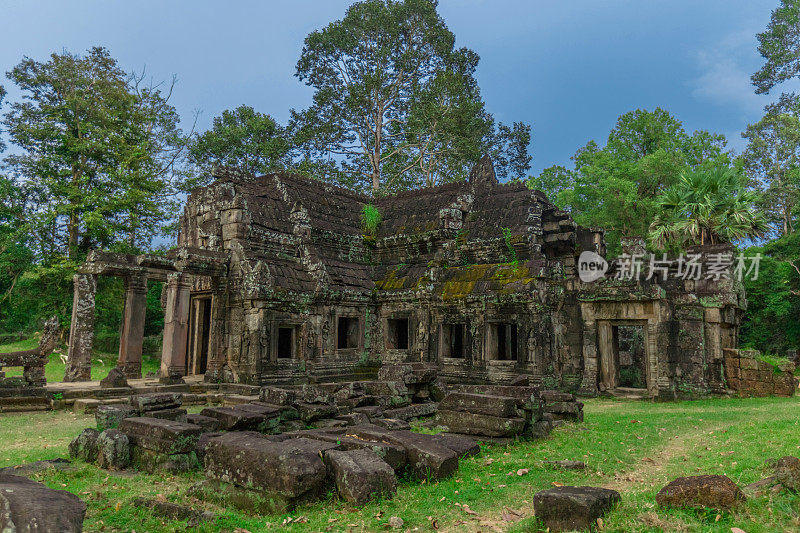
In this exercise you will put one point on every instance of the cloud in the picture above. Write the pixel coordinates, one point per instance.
(725, 74)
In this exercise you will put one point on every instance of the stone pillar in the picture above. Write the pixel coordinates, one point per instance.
(216, 339)
(176, 326)
(132, 333)
(81, 331)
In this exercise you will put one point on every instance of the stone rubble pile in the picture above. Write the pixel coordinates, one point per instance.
(506, 411)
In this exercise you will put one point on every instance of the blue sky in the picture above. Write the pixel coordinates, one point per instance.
(569, 68)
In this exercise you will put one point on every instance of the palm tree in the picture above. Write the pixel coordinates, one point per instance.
(706, 207)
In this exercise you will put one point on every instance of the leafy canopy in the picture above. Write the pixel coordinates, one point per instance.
(615, 186)
(779, 45)
(396, 104)
(706, 207)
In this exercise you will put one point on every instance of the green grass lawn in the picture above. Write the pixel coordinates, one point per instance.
(634, 447)
(102, 363)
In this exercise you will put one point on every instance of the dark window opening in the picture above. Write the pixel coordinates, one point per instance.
(453, 340)
(285, 343)
(502, 342)
(629, 342)
(347, 333)
(397, 334)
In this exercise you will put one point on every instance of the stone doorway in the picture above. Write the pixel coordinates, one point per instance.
(199, 334)
(623, 347)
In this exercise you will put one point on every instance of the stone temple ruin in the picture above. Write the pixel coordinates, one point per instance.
(276, 281)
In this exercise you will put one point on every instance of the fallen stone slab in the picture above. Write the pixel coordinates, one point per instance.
(426, 458)
(284, 472)
(175, 414)
(484, 404)
(480, 424)
(109, 416)
(278, 396)
(84, 446)
(114, 451)
(390, 423)
(573, 508)
(565, 410)
(360, 475)
(760, 487)
(309, 412)
(158, 435)
(261, 408)
(354, 419)
(409, 373)
(156, 402)
(787, 472)
(86, 405)
(552, 396)
(235, 419)
(29, 469)
(393, 454)
(714, 492)
(206, 422)
(412, 411)
(172, 511)
(463, 446)
(28, 506)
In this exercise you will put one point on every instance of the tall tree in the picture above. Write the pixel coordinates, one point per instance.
(779, 45)
(706, 207)
(98, 147)
(243, 138)
(615, 186)
(772, 159)
(395, 103)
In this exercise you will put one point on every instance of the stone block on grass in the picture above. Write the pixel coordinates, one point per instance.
(712, 492)
(110, 416)
(84, 446)
(480, 424)
(114, 451)
(573, 508)
(163, 436)
(360, 475)
(28, 506)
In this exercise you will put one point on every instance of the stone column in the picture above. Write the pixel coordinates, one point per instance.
(216, 340)
(81, 331)
(176, 326)
(132, 334)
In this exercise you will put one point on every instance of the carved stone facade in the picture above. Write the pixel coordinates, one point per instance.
(274, 280)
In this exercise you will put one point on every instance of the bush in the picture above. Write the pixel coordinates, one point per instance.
(370, 219)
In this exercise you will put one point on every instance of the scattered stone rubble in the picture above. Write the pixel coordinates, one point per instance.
(573, 508)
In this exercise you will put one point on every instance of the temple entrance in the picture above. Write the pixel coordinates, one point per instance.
(199, 334)
(623, 354)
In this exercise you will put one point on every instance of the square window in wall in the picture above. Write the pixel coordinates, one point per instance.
(286, 342)
(347, 332)
(501, 342)
(452, 341)
(397, 334)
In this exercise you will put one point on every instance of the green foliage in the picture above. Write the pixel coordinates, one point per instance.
(370, 219)
(615, 187)
(98, 153)
(242, 138)
(706, 207)
(773, 300)
(511, 253)
(772, 159)
(396, 104)
(779, 45)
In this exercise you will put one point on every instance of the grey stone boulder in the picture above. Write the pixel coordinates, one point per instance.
(573, 508)
(28, 506)
(29, 469)
(156, 402)
(286, 472)
(415, 410)
(480, 424)
(114, 451)
(787, 472)
(426, 458)
(360, 475)
(114, 380)
(175, 414)
(278, 396)
(206, 422)
(309, 412)
(484, 404)
(162, 436)
(463, 446)
(233, 419)
(713, 492)
(110, 416)
(567, 464)
(84, 446)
